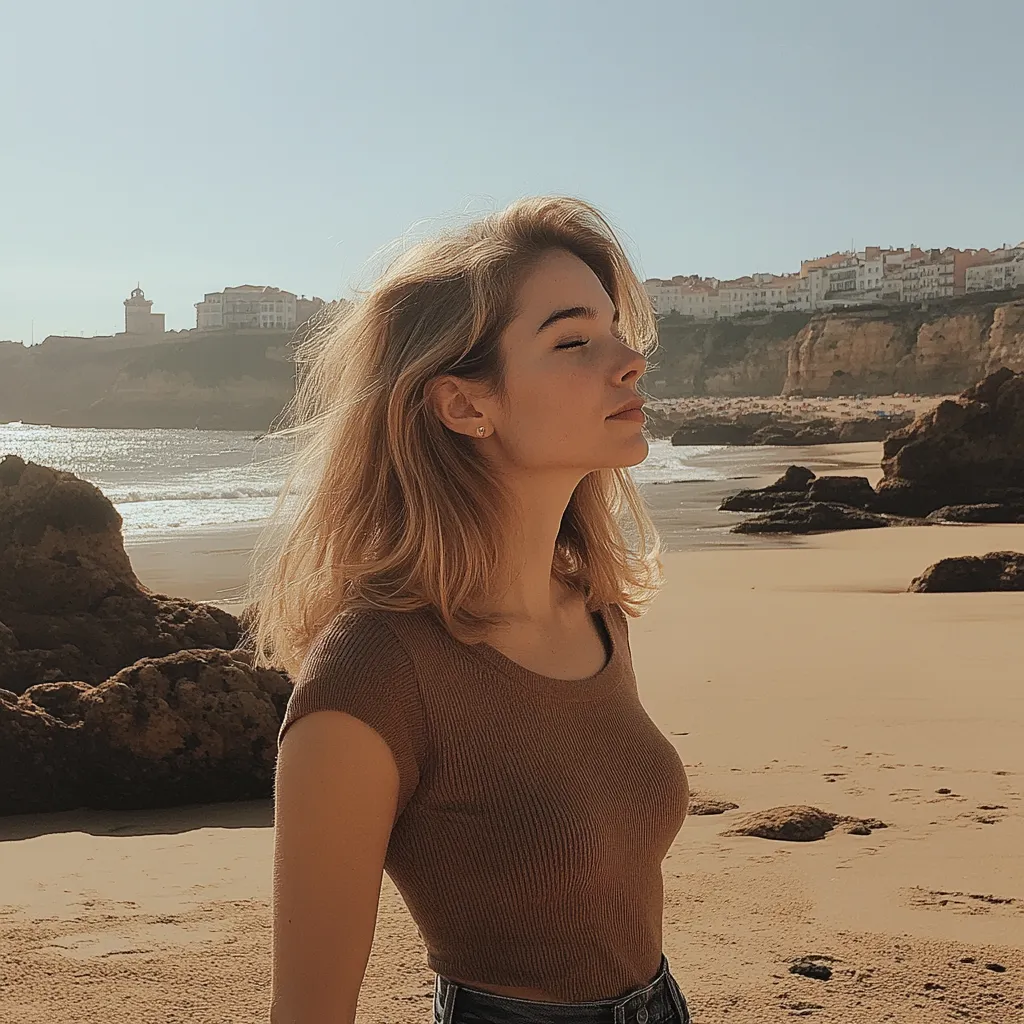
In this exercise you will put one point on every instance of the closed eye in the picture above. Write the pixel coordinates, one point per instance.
(573, 344)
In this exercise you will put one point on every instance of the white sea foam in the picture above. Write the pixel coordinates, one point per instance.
(165, 481)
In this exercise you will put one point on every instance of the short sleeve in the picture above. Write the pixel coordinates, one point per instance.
(358, 665)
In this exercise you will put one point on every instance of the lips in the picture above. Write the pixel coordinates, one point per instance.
(636, 403)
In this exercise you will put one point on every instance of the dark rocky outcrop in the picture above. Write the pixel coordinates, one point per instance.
(967, 451)
(986, 512)
(796, 478)
(813, 517)
(799, 486)
(854, 491)
(71, 606)
(789, 489)
(111, 695)
(761, 500)
(193, 727)
(961, 462)
(998, 570)
(765, 428)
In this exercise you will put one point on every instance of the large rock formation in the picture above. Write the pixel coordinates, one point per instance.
(112, 695)
(967, 451)
(963, 461)
(71, 606)
(198, 726)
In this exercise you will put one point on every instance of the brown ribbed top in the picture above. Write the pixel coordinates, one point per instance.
(533, 812)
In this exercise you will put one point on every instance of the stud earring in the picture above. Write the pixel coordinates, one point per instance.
(480, 430)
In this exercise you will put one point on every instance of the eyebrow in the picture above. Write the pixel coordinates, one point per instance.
(574, 313)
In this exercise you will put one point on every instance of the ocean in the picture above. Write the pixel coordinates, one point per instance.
(165, 483)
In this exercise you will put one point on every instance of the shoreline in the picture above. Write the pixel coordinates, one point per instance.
(211, 564)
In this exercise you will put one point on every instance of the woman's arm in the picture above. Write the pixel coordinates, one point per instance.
(335, 796)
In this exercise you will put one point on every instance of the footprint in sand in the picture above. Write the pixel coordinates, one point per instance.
(986, 814)
(963, 902)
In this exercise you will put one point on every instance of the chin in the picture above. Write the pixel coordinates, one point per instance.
(631, 453)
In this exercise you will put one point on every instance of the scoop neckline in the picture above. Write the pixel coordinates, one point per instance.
(585, 688)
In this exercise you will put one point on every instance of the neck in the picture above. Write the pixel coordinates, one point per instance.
(533, 595)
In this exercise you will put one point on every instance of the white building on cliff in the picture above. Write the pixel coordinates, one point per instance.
(872, 276)
(254, 306)
(1004, 269)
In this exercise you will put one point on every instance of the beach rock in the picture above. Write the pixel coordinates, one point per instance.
(966, 451)
(41, 767)
(196, 726)
(985, 512)
(854, 491)
(796, 478)
(701, 805)
(812, 517)
(998, 570)
(761, 500)
(797, 824)
(812, 967)
(71, 606)
(789, 489)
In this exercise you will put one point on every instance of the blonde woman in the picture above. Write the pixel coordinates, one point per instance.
(452, 598)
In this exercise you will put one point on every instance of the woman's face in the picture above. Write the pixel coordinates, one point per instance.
(566, 374)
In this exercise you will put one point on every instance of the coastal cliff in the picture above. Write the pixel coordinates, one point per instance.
(222, 380)
(241, 380)
(878, 351)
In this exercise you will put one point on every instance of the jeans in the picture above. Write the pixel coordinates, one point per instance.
(657, 1002)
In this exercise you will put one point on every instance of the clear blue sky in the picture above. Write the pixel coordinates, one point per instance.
(193, 144)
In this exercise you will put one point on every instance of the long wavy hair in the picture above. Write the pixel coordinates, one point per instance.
(394, 510)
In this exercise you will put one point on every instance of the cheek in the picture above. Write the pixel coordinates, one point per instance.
(555, 422)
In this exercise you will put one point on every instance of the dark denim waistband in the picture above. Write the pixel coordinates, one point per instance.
(657, 1002)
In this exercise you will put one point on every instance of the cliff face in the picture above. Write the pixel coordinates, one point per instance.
(214, 381)
(242, 380)
(725, 357)
(846, 354)
(879, 351)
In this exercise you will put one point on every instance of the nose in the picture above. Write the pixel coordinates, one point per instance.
(634, 364)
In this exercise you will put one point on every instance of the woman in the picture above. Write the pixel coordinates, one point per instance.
(452, 598)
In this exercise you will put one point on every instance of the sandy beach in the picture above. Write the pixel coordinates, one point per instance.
(786, 671)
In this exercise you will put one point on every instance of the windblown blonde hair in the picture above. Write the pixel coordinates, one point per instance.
(395, 510)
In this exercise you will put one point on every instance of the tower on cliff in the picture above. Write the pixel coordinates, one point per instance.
(138, 315)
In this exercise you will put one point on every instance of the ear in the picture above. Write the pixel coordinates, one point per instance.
(450, 398)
